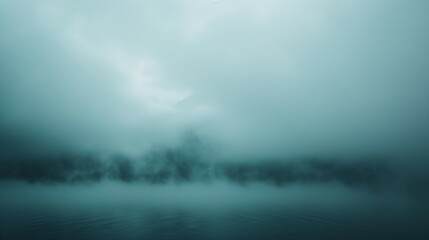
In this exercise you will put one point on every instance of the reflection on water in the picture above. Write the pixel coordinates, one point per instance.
(221, 212)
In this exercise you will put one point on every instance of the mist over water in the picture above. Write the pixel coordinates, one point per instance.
(199, 119)
(177, 194)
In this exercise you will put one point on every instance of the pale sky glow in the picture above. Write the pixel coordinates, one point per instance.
(258, 77)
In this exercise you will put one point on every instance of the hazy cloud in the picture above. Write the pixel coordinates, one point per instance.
(267, 79)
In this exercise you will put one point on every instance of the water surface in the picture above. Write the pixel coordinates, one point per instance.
(207, 211)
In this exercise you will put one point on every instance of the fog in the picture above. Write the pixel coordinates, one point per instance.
(282, 99)
(272, 79)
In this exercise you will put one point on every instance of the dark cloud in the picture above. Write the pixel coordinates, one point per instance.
(188, 164)
(196, 161)
(173, 166)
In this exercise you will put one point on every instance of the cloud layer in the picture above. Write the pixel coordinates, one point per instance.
(262, 80)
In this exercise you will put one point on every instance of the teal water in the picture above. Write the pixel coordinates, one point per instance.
(119, 211)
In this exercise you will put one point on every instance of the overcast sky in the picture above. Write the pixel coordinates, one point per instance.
(271, 78)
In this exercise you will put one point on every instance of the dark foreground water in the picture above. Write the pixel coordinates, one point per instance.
(207, 211)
